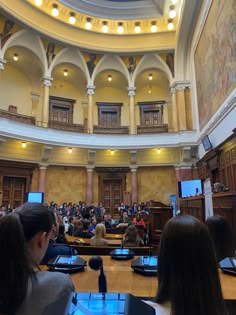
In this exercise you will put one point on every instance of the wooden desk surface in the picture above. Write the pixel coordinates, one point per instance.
(121, 278)
(86, 241)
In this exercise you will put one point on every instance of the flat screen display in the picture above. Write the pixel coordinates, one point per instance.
(190, 188)
(35, 197)
(206, 143)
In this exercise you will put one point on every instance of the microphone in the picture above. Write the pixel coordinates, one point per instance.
(96, 263)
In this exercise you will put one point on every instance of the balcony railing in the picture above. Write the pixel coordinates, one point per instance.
(17, 117)
(66, 126)
(152, 129)
(111, 130)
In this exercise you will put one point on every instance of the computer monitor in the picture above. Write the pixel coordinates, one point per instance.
(34, 197)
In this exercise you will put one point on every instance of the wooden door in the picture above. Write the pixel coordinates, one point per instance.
(112, 193)
(13, 191)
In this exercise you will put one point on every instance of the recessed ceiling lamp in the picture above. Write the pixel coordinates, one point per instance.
(88, 24)
(23, 144)
(120, 28)
(137, 28)
(38, 2)
(55, 11)
(174, 1)
(172, 12)
(65, 72)
(112, 152)
(170, 25)
(15, 57)
(70, 150)
(109, 78)
(72, 19)
(150, 77)
(153, 27)
(158, 151)
(104, 27)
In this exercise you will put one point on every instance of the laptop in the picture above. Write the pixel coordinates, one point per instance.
(67, 263)
(145, 265)
(228, 265)
(90, 303)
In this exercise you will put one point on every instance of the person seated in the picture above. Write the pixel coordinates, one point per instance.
(71, 226)
(99, 238)
(138, 220)
(187, 271)
(55, 249)
(61, 237)
(78, 227)
(24, 238)
(124, 221)
(84, 232)
(106, 221)
(131, 237)
(93, 224)
(222, 236)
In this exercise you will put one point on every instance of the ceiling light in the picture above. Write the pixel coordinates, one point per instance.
(170, 25)
(150, 77)
(104, 27)
(137, 28)
(65, 72)
(88, 24)
(174, 1)
(120, 28)
(109, 78)
(112, 152)
(38, 2)
(150, 91)
(55, 11)
(15, 57)
(23, 144)
(72, 19)
(158, 151)
(172, 12)
(153, 27)
(70, 150)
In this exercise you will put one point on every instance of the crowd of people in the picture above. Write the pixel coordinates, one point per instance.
(187, 263)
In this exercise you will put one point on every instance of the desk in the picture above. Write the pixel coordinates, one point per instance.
(86, 241)
(121, 278)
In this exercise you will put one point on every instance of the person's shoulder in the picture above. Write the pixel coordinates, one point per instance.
(161, 309)
(53, 279)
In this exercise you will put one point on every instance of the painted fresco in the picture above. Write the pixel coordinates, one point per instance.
(215, 59)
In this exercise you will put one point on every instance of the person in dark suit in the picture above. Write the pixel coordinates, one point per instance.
(7, 32)
(91, 63)
(50, 53)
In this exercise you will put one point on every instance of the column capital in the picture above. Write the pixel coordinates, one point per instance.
(133, 168)
(91, 89)
(2, 63)
(47, 81)
(90, 168)
(43, 166)
(131, 91)
(35, 96)
(180, 85)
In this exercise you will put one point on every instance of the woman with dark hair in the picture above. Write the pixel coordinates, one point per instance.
(131, 237)
(24, 237)
(187, 271)
(222, 236)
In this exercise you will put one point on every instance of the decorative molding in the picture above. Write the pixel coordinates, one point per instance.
(47, 81)
(91, 89)
(131, 91)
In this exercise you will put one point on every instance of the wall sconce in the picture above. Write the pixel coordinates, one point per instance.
(109, 78)
(104, 27)
(15, 57)
(174, 1)
(150, 77)
(112, 152)
(137, 28)
(72, 19)
(170, 25)
(23, 144)
(88, 24)
(172, 12)
(65, 72)
(55, 11)
(158, 151)
(38, 2)
(70, 150)
(153, 27)
(120, 28)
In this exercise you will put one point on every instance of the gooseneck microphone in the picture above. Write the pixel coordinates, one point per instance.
(96, 263)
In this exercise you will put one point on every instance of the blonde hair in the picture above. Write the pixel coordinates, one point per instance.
(100, 230)
(98, 239)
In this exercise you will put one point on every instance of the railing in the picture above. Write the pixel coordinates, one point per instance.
(111, 130)
(65, 126)
(152, 129)
(17, 117)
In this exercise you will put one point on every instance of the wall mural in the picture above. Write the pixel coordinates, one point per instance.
(215, 59)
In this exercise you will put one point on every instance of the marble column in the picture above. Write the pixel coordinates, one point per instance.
(35, 101)
(45, 108)
(131, 94)
(134, 185)
(89, 190)
(174, 111)
(90, 92)
(42, 178)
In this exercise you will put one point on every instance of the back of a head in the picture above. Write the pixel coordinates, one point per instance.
(14, 264)
(187, 269)
(34, 218)
(222, 236)
(100, 230)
